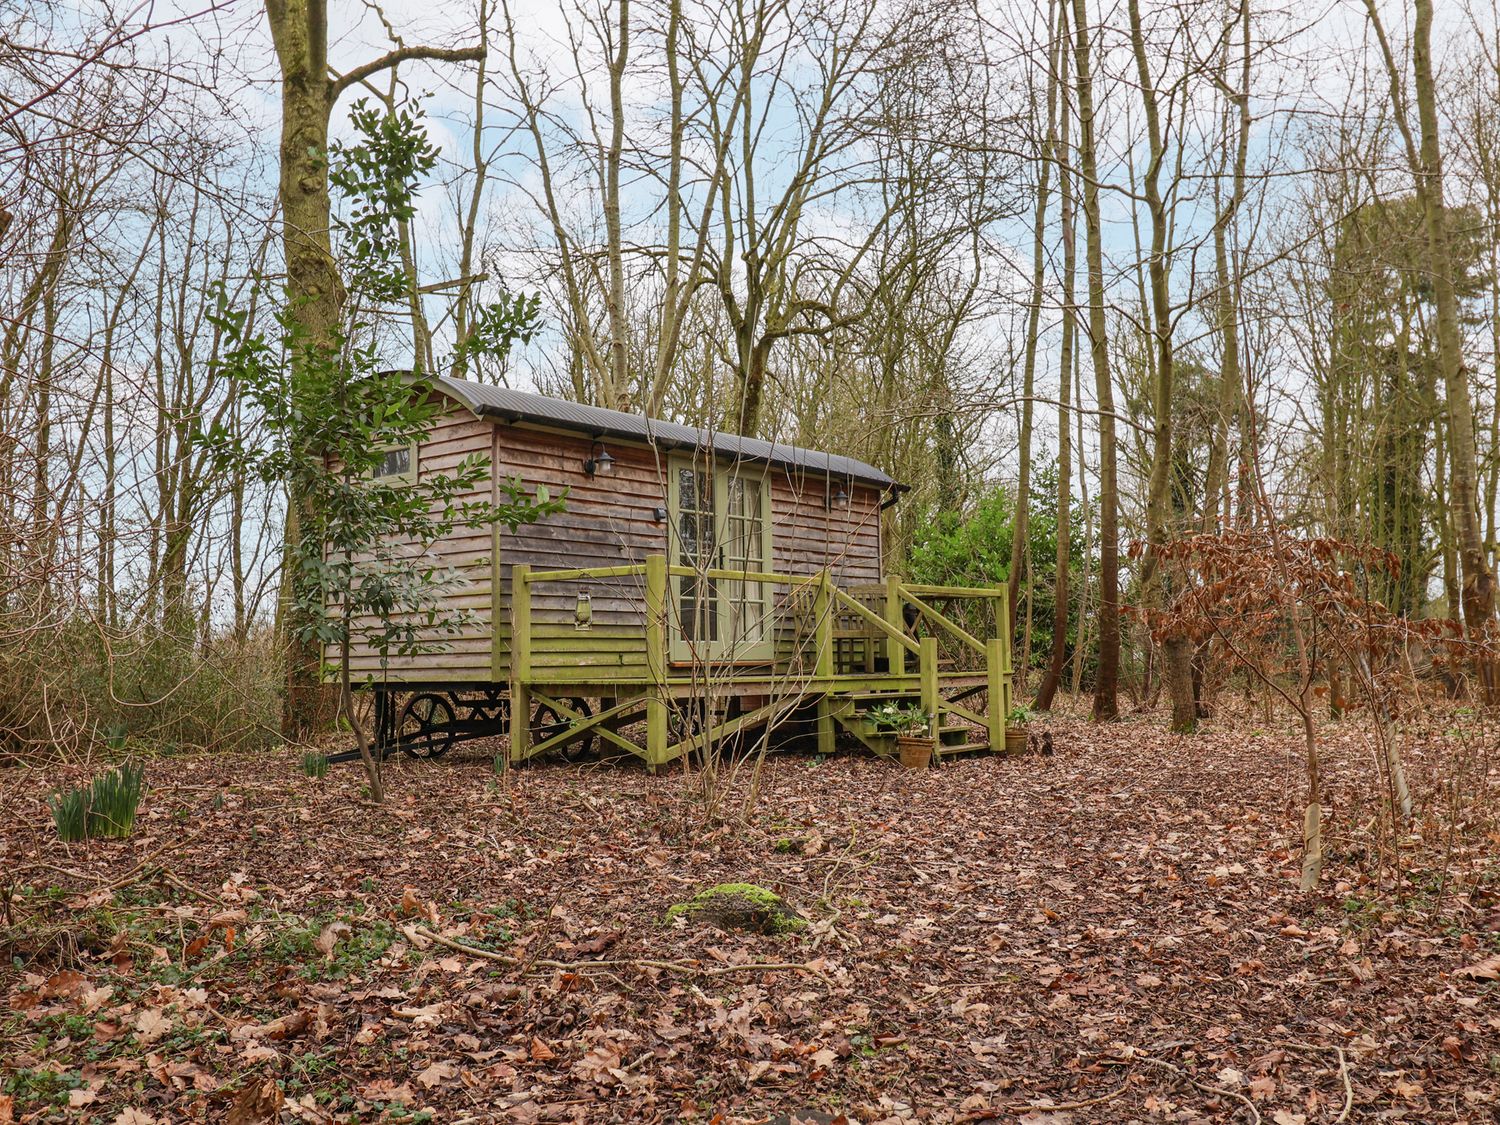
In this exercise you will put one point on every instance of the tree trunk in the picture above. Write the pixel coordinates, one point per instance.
(1106, 682)
(1053, 677)
(1478, 579)
(1425, 159)
(314, 290)
(314, 294)
(1216, 480)
(617, 389)
(1081, 642)
(1176, 650)
(1020, 528)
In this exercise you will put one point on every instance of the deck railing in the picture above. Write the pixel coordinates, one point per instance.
(826, 638)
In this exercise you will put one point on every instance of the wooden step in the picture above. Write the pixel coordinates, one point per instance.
(962, 747)
(962, 731)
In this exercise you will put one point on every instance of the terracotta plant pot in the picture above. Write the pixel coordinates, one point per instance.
(1015, 741)
(916, 751)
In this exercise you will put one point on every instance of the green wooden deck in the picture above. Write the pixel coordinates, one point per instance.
(824, 655)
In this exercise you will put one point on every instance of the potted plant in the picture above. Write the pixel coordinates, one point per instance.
(912, 726)
(1015, 729)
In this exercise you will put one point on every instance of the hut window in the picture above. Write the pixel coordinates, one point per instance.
(397, 462)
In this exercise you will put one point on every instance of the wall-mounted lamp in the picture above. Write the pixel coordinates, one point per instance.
(599, 462)
(659, 515)
(583, 612)
(839, 499)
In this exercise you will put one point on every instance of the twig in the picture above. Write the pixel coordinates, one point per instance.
(135, 872)
(190, 889)
(1204, 1086)
(1348, 1087)
(1043, 1107)
(418, 935)
(1343, 1074)
(415, 933)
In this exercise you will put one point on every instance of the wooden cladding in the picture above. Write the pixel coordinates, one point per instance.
(610, 520)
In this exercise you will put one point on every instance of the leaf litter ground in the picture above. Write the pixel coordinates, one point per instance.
(1110, 934)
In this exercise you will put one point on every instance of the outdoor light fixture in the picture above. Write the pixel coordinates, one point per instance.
(599, 462)
(839, 499)
(659, 514)
(583, 612)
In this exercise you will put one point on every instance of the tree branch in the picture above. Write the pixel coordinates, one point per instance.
(342, 82)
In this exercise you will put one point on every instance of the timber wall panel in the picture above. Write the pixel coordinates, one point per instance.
(609, 521)
(466, 655)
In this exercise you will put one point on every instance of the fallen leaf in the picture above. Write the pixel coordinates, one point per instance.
(63, 984)
(601, 943)
(152, 1024)
(386, 1090)
(331, 935)
(437, 1073)
(1488, 969)
(259, 1103)
(280, 1028)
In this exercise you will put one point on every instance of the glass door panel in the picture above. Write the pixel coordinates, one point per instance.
(720, 521)
(745, 602)
(697, 596)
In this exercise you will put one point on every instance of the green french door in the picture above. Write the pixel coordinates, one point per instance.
(720, 521)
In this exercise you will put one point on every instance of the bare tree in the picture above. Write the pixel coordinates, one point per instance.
(1423, 149)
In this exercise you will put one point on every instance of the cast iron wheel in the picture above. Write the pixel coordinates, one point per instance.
(426, 727)
(546, 723)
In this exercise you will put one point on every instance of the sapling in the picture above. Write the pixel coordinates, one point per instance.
(360, 567)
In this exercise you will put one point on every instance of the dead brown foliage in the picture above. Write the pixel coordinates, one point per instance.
(1110, 934)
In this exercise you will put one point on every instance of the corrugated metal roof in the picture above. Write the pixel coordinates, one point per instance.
(540, 410)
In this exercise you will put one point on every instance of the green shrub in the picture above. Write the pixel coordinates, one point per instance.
(315, 764)
(104, 808)
(893, 718)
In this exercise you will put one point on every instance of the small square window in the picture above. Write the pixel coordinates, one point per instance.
(395, 463)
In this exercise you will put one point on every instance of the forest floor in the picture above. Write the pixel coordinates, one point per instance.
(1110, 934)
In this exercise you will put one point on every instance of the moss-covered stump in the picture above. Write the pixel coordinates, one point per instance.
(740, 906)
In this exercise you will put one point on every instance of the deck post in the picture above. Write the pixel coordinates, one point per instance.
(823, 667)
(1002, 630)
(895, 651)
(927, 664)
(520, 661)
(656, 659)
(998, 710)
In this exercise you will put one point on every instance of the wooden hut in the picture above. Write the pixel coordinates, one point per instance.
(698, 585)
